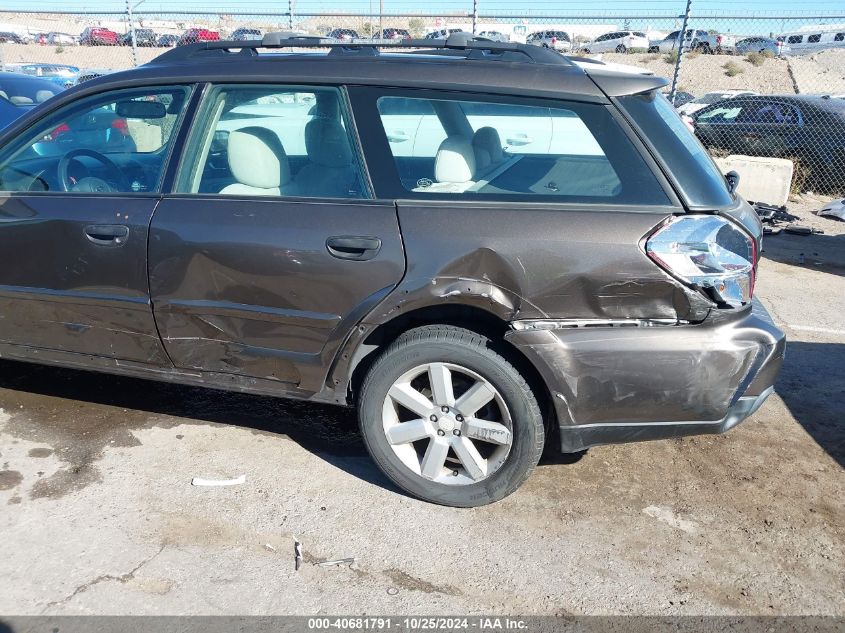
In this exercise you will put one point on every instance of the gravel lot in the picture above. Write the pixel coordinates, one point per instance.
(100, 518)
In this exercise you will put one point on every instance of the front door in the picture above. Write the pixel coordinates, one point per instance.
(272, 248)
(77, 192)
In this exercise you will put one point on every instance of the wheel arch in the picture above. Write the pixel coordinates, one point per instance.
(369, 342)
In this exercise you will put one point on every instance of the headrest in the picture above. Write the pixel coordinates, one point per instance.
(42, 95)
(257, 158)
(327, 143)
(455, 160)
(488, 147)
(326, 106)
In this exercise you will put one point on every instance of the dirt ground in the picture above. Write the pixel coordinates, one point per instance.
(99, 515)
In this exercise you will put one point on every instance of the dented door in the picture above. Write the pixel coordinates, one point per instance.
(267, 288)
(74, 275)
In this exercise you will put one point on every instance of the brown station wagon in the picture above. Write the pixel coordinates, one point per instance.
(483, 246)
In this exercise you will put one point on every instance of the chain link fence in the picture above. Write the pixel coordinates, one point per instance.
(768, 85)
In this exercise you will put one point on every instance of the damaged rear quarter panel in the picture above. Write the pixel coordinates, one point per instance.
(541, 262)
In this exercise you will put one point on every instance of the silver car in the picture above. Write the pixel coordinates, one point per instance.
(761, 45)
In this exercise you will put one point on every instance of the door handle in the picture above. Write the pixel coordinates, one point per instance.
(107, 234)
(353, 247)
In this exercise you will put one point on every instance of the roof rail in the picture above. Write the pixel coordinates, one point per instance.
(458, 44)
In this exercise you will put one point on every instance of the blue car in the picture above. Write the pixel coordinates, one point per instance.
(60, 74)
(19, 93)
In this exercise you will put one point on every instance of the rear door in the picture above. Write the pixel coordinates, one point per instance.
(265, 257)
(767, 128)
(77, 191)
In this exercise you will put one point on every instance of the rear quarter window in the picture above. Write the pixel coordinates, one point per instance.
(688, 164)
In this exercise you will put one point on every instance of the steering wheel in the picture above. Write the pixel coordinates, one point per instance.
(90, 183)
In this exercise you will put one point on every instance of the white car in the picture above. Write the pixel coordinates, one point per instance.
(556, 40)
(618, 42)
(712, 97)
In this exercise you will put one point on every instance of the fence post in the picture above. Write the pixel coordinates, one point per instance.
(290, 15)
(132, 32)
(680, 53)
(474, 15)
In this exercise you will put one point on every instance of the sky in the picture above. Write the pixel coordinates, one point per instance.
(614, 12)
(756, 7)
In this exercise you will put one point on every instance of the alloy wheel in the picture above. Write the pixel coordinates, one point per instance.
(447, 424)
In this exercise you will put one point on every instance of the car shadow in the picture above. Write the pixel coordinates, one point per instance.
(329, 432)
(812, 384)
(825, 253)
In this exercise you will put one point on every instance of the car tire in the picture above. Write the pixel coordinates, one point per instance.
(586, 51)
(621, 49)
(476, 475)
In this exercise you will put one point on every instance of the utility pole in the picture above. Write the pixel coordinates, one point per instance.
(680, 53)
(132, 31)
(474, 15)
(380, 15)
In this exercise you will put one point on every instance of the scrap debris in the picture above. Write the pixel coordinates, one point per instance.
(297, 554)
(339, 561)
(199, 481)
(834, 210)
(773, 217)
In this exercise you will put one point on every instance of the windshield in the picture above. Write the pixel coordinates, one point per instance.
(696, 175)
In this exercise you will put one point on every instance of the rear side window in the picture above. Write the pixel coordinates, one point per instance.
(839, 37)
(812, 39)
(466, 149)
(795, 39)
(694, 172)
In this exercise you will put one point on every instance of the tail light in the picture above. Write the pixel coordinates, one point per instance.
(709, 253)
(718, 39)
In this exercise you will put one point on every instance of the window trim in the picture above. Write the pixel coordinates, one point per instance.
(387, 182)
(167, 159)
(203, 103)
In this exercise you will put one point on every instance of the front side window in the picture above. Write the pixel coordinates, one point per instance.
(813, 39)
(269, 140)
(475, 150)
(795, 39)
(115, 142)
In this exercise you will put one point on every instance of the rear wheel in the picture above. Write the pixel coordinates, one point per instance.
(449, 419)
(621, 48)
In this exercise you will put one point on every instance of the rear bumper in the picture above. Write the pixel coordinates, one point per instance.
(626, 384)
